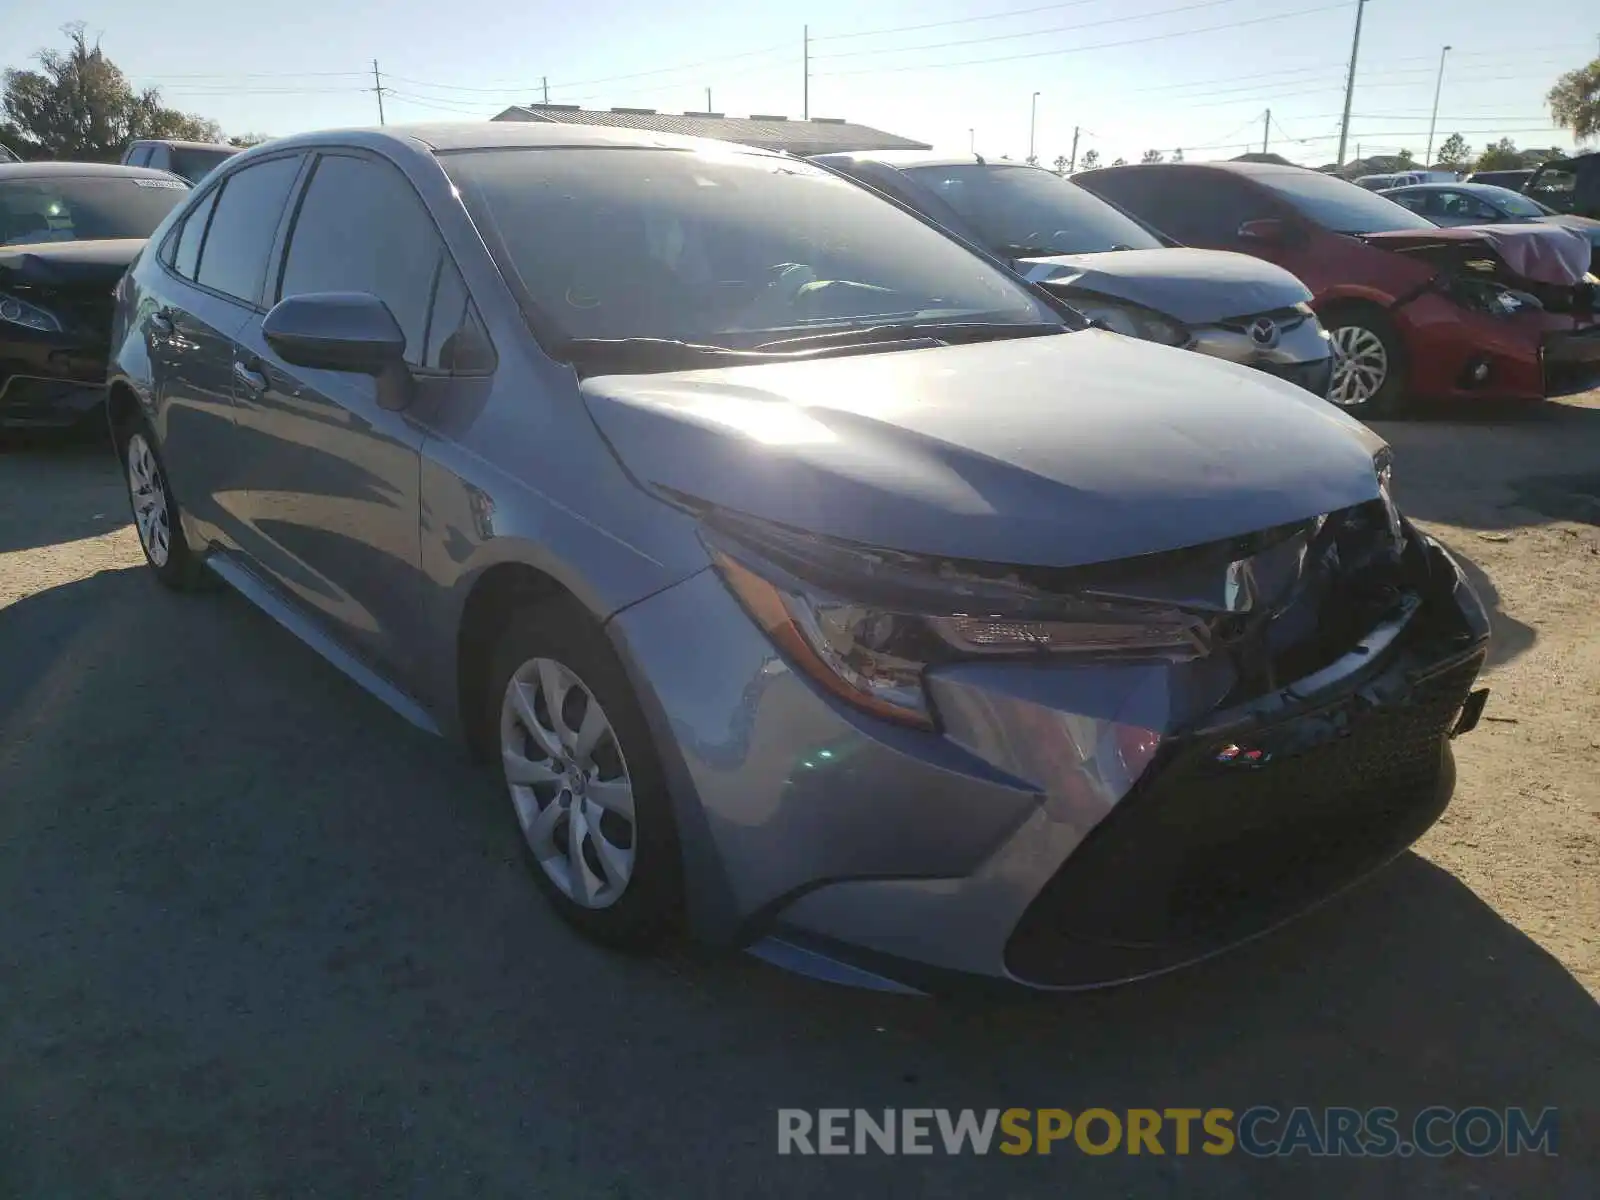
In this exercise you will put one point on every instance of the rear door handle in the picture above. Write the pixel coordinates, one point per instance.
(161, 323)
(254, 381)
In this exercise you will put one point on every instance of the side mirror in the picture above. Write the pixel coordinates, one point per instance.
(1266, 231)
(336, 331)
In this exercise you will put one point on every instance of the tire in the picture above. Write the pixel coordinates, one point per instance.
(624, 887)
(1373, 338)
(156, 515)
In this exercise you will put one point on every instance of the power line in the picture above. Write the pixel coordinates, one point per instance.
(999, 16)
(1006, 37)
(1159, 37)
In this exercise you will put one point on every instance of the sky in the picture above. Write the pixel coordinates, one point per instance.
(1132, 75)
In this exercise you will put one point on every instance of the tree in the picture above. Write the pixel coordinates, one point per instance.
(1061, 164)
(1455, 154)
(1406, 158)
(1500, 156)
(1177, 155)
(246, 140)
(1151, 156)
(1575, 101)
(1032, 160)
(1119, 162)
(1091, 160)
(81, 106)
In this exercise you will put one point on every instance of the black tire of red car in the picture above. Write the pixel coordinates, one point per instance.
(1390, 401)
(647, 910)
(181, 568)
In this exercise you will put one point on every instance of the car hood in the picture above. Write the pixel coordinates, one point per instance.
(1194, 286)
(1587, 226)
(1541, 253)
(68, 264)
(1061, 450)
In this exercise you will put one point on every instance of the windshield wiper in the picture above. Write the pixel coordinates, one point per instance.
(650, 353)
(933, 332)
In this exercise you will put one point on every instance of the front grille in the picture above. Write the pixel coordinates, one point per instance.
(1205, 852)
(1314, 376)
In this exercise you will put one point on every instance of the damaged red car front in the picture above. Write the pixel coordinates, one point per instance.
(1510, 311)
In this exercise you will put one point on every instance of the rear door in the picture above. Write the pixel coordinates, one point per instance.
(214, 264)
(332, 476)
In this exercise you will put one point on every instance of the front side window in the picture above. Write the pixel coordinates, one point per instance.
(362, 228)
(233, 259)
(1514, 203)
(84, 208)
(1337, 205)
(1024, 211)
(724, 249)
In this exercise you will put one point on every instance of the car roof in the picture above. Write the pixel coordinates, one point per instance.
(78, 170)
(1463, 186)
(508, 135)
(904, 159)
(182, 145)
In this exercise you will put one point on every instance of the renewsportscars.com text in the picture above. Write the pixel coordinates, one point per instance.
(1260, 1131)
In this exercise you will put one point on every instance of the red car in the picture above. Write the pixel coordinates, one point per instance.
(1415, 312)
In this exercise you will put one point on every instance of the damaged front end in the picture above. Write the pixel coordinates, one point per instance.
(1315, 673)
(1534, 280)
(56, 304)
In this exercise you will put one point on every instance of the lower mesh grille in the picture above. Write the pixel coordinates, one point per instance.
(1205, 852)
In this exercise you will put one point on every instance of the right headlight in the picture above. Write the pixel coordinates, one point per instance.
(866, 625)
(14, 311)
(1132, 321)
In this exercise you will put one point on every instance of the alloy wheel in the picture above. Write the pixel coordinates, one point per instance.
(1360, 366)
(148, 492)
(569, 783)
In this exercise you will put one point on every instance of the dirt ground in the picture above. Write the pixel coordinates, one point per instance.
(260, 938)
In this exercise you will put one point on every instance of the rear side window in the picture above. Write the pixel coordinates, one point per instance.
(138, 156)
(234, 260)
(186, 258)
(362, 228)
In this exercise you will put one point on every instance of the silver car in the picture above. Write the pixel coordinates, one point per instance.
(815, 585)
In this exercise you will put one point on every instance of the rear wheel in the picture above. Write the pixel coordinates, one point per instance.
(155, 512)
(1369, 366)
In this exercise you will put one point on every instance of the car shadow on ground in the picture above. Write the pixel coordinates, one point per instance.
(1498, 466)
(263, 938)
(1509, 638)
(82, 468)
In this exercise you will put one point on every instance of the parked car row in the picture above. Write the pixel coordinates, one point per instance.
(816, 581)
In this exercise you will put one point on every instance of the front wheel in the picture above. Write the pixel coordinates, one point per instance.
(585, 784)
(1369, 369)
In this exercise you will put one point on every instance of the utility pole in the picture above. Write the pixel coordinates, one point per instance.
(1033, 122)
(1074, 156)
(1266, 129)
(708, 101)
(544, 82)
(377, 86)
(1350, 84)
(805, 62)
(1427, 158)
(972, 141)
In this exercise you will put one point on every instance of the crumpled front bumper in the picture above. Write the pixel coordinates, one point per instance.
(1068, 827)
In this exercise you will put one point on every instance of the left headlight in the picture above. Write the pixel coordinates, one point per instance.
(1132, 321)
(1487, 296)
(866, 625)
(1383, 467)
(19, 312)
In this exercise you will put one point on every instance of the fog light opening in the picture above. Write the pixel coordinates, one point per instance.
(1477, 373)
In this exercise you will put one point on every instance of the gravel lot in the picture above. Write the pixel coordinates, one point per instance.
(260, 938)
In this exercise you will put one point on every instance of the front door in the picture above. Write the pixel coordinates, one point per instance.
(332, 474)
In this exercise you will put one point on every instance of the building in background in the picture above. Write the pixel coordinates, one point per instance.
(819, 135)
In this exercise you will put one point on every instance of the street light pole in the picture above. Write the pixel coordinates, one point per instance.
(1427, 159)
(972, 141)
(1033, 120)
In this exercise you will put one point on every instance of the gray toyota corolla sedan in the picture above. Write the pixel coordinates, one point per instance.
(819, 587)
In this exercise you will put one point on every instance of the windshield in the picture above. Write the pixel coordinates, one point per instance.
(84, 208)
(1340, 206)
(195, 165)
(1508, 201)
(1028, 212)
(717, 249)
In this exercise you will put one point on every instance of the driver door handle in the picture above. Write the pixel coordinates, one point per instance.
(254, 381)
(161, 323)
